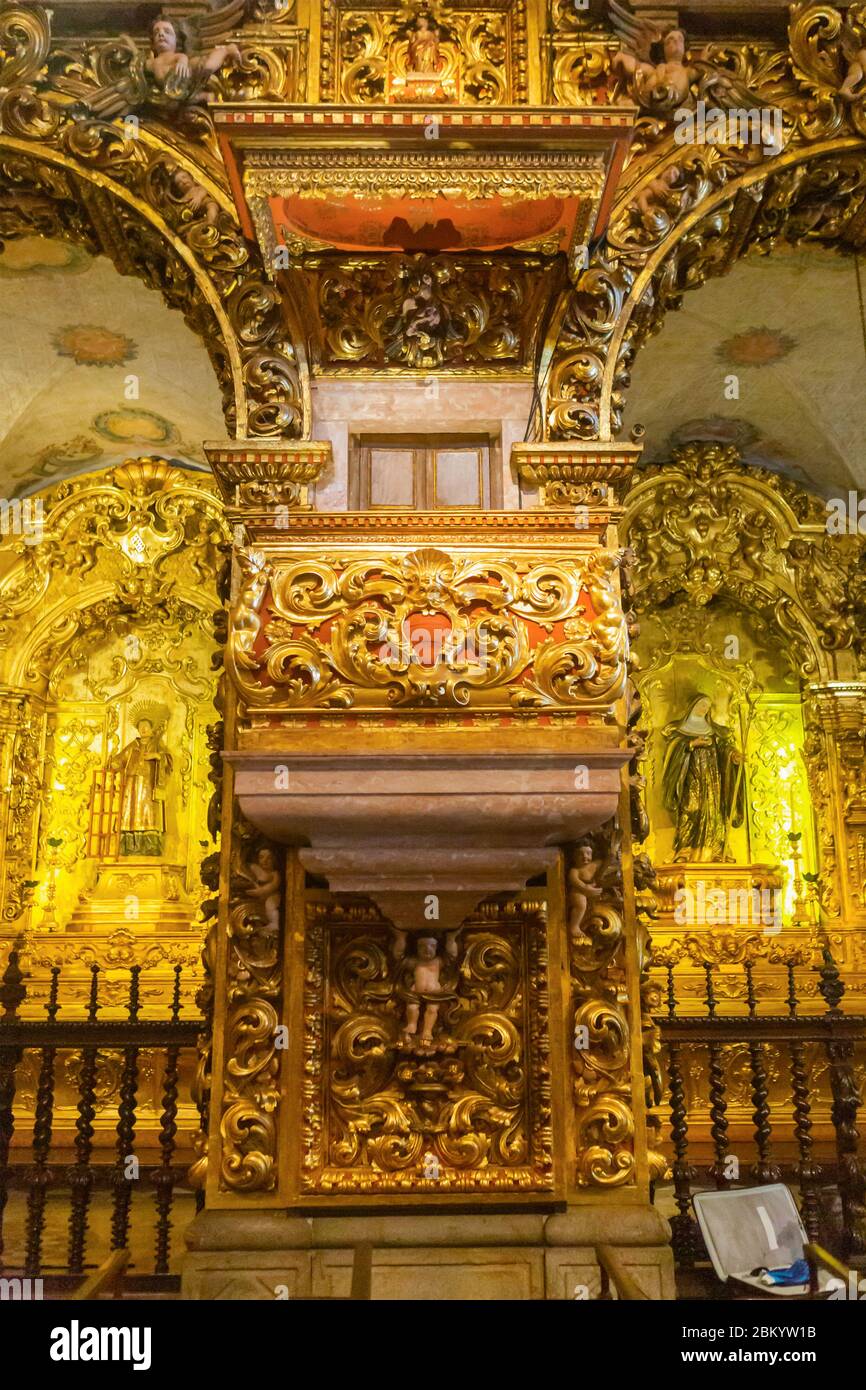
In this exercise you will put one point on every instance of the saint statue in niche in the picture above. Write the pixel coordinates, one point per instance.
(143, 768)
(423, 50)
(702, 785)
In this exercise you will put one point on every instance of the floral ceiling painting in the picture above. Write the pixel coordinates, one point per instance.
(98, 364)
(779, 340)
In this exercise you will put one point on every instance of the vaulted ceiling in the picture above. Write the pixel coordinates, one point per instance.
(94, 367)
(771, 357)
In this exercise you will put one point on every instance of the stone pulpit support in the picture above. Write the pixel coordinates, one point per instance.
(426, 972)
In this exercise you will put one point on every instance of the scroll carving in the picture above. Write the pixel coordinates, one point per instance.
(486, 656)
(251, 1095)
(601, 1087)
(439, 1052)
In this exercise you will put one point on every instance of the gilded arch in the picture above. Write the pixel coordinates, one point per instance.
(109, 185)
(686, 212)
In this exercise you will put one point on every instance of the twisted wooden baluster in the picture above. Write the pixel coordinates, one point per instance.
(39, 1175)
(12, 994)
(718, 1104)
(684, 1235)
(808, 1172)
(81, 1174)
(121, 1181)
(843, 1113)
(764, 1171)
(163, 1177)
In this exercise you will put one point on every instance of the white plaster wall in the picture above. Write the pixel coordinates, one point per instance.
(343, 408)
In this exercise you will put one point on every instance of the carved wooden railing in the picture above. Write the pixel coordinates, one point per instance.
(40, 1173)
(835, 1035)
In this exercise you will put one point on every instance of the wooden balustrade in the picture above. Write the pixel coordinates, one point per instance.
(172, 1039)
(707, 1036)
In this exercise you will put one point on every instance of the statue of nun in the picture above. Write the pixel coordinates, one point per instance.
(702, 785)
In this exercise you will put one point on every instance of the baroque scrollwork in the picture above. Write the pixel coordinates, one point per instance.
(685, 210)
(705, 525)
(251, 1089)
(434, 1083)
(601, 1084)
(380, 651)
(151, 196)
(431, 53)
(428, 311)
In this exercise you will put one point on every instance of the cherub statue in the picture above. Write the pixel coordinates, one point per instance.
(261, 883)
(853, 48)
(582, 888)
(659, 70)
(184, 56)
(183, 75)
(425, 976)
(655, 62)
(184, 191)
(657, 199)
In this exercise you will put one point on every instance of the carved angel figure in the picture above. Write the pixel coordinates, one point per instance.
(853, 45)
(660, 71)
(184, 56)
(187, 193)
(582, 888)
(425, 979)
(262, 887)
(182, 75)
(655, 63)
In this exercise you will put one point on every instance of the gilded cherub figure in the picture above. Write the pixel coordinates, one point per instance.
(661, 75)
(655, 63)
(424, 981)
(184, 75)
(582, 889)
(184, 56)
(262, 886)
(187, 193)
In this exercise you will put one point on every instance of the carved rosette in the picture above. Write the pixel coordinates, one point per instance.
(466, 1110)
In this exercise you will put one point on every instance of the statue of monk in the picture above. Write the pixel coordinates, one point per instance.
(144, 766)
(702, 785)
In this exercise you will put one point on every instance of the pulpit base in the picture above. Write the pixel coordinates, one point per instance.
(279, 1255)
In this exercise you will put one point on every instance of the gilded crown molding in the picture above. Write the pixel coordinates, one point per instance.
(576, 475)
(262, 476)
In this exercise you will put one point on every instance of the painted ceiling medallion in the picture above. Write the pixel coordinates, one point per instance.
(757, 347)
(90, 346)
(36, 255)
(144, 426)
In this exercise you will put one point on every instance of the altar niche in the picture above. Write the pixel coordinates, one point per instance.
(424, 1053)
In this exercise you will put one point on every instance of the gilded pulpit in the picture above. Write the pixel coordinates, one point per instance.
(428, 985)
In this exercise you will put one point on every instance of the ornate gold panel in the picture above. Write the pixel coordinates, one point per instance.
(472, 53)
(527, 633)
(459, 1105)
